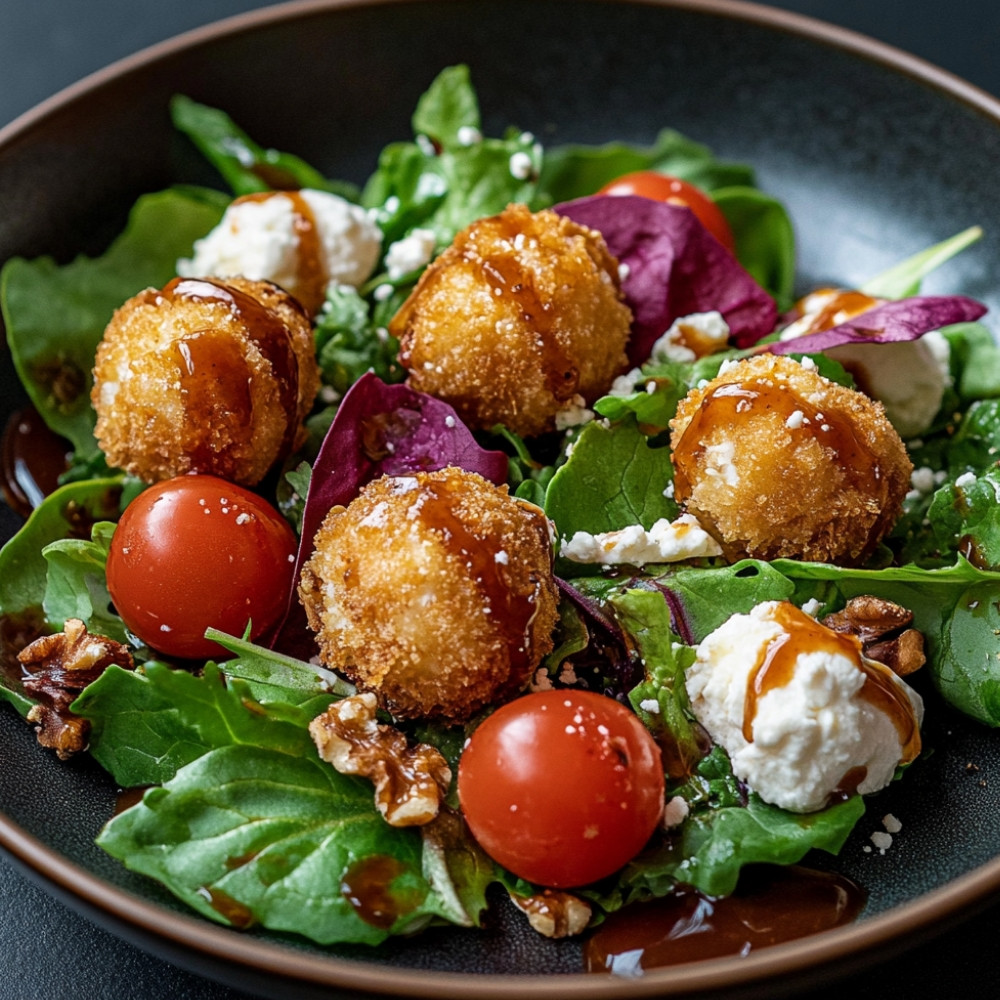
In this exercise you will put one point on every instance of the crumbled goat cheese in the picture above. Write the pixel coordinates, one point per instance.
(674, 812)
(259, 240)
(573, 413)
(807, 733)
(665, 541)
(690, 337)
(410, 253)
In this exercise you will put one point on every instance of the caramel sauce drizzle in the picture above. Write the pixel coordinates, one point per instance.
(366, 886)
(312, 268)
(512, 610)
(840, 306)
(729, 404)
(507, 277)
(775, 668)
(209, 361)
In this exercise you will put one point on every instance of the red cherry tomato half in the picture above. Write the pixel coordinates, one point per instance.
(195, 552)
(561, 787)
(662, 187)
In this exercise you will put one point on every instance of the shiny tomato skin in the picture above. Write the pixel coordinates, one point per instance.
(195, 552)
(663, 187)
(561, 787)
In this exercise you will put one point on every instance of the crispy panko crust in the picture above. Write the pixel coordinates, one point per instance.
(776, 461)
(521, 317)
(205, 376)
(433, 591)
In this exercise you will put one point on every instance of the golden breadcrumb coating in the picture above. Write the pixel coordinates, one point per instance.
(776, 461)
(205, 376)
(434, 591)
(520, 318)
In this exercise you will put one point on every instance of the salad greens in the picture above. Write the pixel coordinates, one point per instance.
(243, 820)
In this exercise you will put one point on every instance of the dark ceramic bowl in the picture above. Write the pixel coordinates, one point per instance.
(876, 154)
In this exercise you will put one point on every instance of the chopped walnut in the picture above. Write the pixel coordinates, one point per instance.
(410, 781)
(884, 631)
(57, 668)
(554, 914)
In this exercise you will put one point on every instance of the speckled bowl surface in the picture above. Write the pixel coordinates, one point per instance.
(877, 155)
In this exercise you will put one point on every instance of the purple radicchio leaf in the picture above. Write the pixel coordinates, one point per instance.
(618, 662)
(887, 323)
(675, 267)
(380, 429)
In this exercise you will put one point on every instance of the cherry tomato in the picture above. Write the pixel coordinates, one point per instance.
(662, 187)
(194, 552)
(561, 787)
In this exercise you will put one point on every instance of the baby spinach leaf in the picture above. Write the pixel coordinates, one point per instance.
(147, 724)
(69, 512)
(714, 844)
(612, 479)
(251, 835)
(76, 586)
(55, 316)
(765, 240)
(575, 171)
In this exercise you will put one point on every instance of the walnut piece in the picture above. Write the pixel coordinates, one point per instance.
(554, 914)
(57, 668)
(884, 630)
(410, 781)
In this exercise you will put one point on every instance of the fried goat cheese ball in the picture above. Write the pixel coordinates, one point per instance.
(206, 375)
(777, 461)
(520, 320)
(433, 591)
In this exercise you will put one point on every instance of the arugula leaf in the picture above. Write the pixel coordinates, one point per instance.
(645, 615)
(612, 479)
(272, 676)
(349, 344)
(244, 165)
(903, 279)
(453, 176)
(55, 316)
(251, 835)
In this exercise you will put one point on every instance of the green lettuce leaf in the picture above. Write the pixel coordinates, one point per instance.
(251, 835)
(147, 724)
(613, 478)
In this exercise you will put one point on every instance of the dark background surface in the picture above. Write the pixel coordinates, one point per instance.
(46, 950)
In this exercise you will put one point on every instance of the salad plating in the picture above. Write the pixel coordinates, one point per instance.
(284, 840)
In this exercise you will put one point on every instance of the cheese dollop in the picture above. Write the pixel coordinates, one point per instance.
(802, 713)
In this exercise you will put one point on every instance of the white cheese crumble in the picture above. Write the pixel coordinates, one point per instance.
(807, 733)
(259, 240)
(573, 413)
(691, 337)
(409, 254)
(665, 541)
